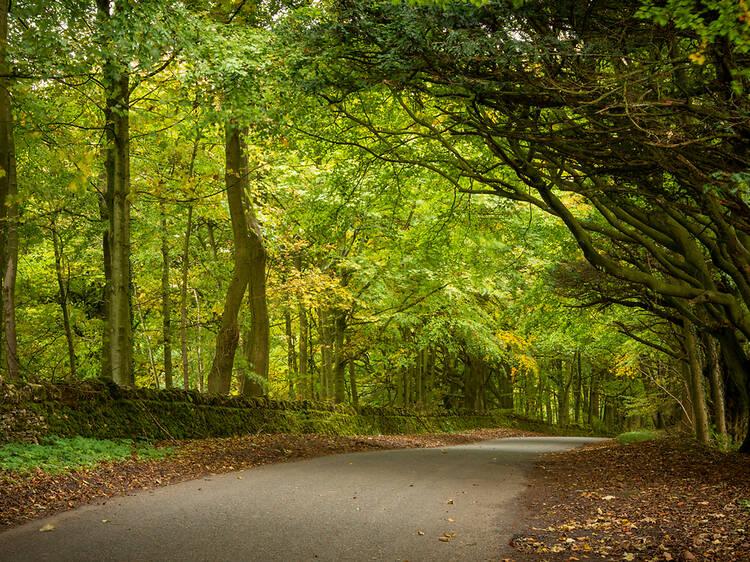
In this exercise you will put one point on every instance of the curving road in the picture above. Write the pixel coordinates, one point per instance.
(385, 505)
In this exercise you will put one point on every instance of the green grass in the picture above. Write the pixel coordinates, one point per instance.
(57, 454)
(635, 436)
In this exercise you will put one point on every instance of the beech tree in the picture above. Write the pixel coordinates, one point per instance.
(615, 134)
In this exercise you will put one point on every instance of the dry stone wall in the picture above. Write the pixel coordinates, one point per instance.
(101, 409)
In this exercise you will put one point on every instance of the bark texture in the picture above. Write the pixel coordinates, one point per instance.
(166, 304)
(9, 206)
(220, 375)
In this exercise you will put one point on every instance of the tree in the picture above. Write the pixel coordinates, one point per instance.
(526, 101)
(219, 378)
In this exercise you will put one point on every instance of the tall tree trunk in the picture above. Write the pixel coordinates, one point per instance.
(563, 393)
(324, 332)
(428, 378)
(11, 260)
(5, 138)
(117, 166)
(183, 301)
(695, 384)
(305, 383)
(339, 362)
(419, 379)
(220, 375)
(198, 339)
(291, 352)
(540, 397)
(166, 303)
(9, 202)
(408, 378)
(593, 411)
(105, 211)
(258, 340)
(62, 286)
(578, 387)
(353, 377)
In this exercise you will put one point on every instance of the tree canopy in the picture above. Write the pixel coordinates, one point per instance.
(531, 205)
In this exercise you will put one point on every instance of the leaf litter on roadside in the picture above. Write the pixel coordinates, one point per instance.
(657, 500)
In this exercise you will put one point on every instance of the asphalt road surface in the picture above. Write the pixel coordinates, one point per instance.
(384, 505)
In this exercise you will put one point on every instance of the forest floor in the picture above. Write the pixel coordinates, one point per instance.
(655, 500)
(40, 493)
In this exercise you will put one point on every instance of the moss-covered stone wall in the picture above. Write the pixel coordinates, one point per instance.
(101, 409)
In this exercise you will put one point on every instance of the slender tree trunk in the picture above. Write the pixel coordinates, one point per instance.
(166, 303)
(578, 387)
(353, 378)
(5, 139)
(400, 375)
(62, 286)
(540, 395)
(304, 383)
(148, 342)
(695, 385)
(291, 352)
(563, 396)
(408, 378)
(419, 379)
(105, 210)
(198, 338)
(428, 378)
(593, 411)
(183, 301)
(220, 375)
(339, 372)
(9, 202)
(548, 407)
(11, 263)
(325, 353)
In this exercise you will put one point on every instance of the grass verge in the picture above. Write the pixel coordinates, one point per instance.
(635, 437)
(59, 455)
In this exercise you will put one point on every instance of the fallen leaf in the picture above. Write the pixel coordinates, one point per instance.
(449, 501)
(420, 533)
(608, 498)
(451, 520)
(106, 520)
(47, 527)
(444, 539)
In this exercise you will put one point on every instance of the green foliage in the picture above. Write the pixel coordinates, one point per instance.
(60, 454)
(711, 21)
(635, 436)
(369, 196)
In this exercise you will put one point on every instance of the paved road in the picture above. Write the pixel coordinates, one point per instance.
(385, 505)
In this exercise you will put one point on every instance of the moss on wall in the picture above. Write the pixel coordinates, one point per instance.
(101, 409)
